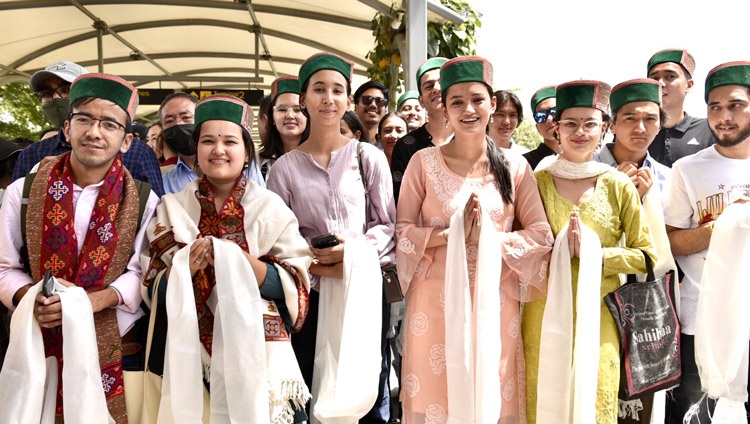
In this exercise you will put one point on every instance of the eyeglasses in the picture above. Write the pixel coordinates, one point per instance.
(379, 101)
(284, 109)
(542, 115)
(571, 126)
(46, 96)
(108, 125)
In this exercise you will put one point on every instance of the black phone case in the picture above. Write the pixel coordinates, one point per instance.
(324, 241)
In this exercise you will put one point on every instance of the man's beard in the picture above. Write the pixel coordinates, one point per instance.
(733, 141)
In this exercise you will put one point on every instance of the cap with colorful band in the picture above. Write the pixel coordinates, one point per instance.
(541, 95)
(635, 90)
(406, 96)
(223, 107)
(465, 69)
(107, 87)
(679, 56)
(322, 61)
(730, 73)
(427, 66)
(288, 84)
(67, 71)
(583, 93)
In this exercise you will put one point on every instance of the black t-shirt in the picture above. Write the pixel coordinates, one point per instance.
(535, 156)
(405, 148)
(689, 136)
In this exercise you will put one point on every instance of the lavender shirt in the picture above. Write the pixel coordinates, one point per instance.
(332, 200)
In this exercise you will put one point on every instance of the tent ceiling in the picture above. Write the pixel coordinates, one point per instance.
(159, 41)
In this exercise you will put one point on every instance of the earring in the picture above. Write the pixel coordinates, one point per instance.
(492, 118)
(446, 122)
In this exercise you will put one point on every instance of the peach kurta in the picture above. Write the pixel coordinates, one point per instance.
(432, 192)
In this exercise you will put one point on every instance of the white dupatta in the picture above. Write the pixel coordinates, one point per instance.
(347, 349)
(239, 382)
(723, 318)
(24, 396)
(567, 377)
(472, 326)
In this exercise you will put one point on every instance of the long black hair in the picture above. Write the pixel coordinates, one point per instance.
(499, 167)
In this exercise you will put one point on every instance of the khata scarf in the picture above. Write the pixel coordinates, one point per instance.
(564, 168)
(106, 250)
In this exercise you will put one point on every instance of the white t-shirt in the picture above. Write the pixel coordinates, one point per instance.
(700, 187)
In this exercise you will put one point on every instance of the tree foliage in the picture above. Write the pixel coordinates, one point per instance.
(527, 136)
(20, 112)
(443, 39)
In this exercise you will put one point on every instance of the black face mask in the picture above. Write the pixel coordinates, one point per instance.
(180, 139)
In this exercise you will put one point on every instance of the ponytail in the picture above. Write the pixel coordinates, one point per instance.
(499, 167)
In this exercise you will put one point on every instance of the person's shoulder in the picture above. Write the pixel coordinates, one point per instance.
(699, 158)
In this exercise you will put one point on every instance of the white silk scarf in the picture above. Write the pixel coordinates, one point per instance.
(239, 382)
(347, 349)
(23, 392)
(568, 377)
(472, 326)
(723, 318)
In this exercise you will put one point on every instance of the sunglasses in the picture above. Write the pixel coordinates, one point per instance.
(379, 101)
(542, 115)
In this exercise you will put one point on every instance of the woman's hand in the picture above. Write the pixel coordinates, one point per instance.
(201, 254)
(574, 235)
(472, 218)
(330, 255)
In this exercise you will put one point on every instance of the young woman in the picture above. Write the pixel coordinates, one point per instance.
(507, 117)
(258, 245)
(590, 207)
(390, 129)
(462, 200)
(351, 126)
(287, 122)
(321, 182)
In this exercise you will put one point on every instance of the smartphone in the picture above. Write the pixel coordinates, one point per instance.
(324, 241)
(48, 285)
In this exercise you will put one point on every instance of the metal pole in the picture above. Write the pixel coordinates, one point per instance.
(416, 45)
(99, 49)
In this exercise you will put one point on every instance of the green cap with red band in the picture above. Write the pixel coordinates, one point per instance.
(635, 90)
(323, 61)
(107, 87)
(223, 107)
(678, 56)
(583, 93)
(730, 73)
(541, 95)
(465, 69)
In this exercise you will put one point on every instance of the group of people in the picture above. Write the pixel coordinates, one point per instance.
(255, 276)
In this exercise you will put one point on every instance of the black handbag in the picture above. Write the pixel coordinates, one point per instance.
(391, 286)
(649, 333)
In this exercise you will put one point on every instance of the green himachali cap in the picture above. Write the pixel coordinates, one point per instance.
(636, 90)
(282, 85)
(465, 69)
(406, 96)
(679, 56)
(730, 73)
(323, 61)
(107, 87)
(583, 93)
(541, 95)
(427, 66)
(223, 107)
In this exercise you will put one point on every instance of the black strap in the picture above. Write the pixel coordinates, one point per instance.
(364, 183)
(649, 270)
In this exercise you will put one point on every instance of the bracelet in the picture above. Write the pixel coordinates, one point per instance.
(445, 235)
(710, 227)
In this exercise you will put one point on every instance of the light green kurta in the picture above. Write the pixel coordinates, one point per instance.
(614, 209)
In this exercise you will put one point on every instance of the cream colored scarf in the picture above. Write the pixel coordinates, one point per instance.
(564, 168)
(24, 396)
(472, 326)
(347, 349)
(567, 376)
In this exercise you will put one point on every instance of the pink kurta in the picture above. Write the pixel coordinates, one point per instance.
(431, 190)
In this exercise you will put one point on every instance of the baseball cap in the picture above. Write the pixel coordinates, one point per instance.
(68, 71)
(7, 149)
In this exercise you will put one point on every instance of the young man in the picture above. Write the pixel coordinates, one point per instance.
(681, 134)
(177, 117)
(408, 106)
(370, 105)
(52, 87)
(543, 105)
(81, 222)
(700, 187)
(435, 132)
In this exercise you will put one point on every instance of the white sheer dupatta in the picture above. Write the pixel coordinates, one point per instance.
(472, 326)
(723, 320)
(567, 377)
